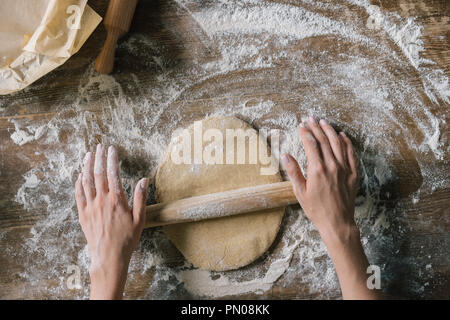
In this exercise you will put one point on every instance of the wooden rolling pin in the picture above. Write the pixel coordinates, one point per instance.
(117, 23)
(221, 204)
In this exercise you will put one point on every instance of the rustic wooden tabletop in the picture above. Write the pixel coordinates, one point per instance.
(418, 264)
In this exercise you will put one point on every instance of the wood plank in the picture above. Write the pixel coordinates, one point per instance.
(425, 226)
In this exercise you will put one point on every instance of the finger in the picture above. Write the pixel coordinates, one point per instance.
(87, 177)
(139, 201)
(344, 150)
(311, 146)
(320, 136)
(113, 172)
(80, 198)
(334, 141)
(294, 172)
(351, 158)
(101, 184)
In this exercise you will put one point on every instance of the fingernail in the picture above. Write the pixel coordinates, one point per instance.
(87, 157)
(342, 133)
(323, 122)
(285, 159)
(110, 159)
(301, 125)
(79, 176)
(98, 164)
(311, 119)
(143, 184)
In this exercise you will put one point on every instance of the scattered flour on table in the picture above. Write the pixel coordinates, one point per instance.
(244, 33)
(30, 133)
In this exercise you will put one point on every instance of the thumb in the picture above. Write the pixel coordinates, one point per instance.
(294, 172)
(139, 201)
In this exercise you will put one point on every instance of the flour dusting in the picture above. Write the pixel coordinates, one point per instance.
(245, 44)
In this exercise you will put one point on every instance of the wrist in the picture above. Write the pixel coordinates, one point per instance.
(347, 253)
(345, 249)
(108, 279)
(342, 236)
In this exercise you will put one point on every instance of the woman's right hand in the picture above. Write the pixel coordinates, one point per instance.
(328, 194)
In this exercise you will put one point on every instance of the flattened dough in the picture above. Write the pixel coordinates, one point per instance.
(224, 243)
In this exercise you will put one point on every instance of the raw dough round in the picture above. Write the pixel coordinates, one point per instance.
(224, 243)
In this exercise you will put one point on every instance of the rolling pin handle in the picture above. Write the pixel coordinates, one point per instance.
(105, 60)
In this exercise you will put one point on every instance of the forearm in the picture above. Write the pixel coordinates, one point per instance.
(108, 282)
(351, 263)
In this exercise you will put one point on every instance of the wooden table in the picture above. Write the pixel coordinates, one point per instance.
(159, 20)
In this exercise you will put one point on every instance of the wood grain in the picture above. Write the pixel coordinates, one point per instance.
(161, 20)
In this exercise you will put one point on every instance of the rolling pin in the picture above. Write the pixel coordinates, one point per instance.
(221, 204)
(117, 23)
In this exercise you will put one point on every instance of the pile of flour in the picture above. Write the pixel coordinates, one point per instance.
(256, 37)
